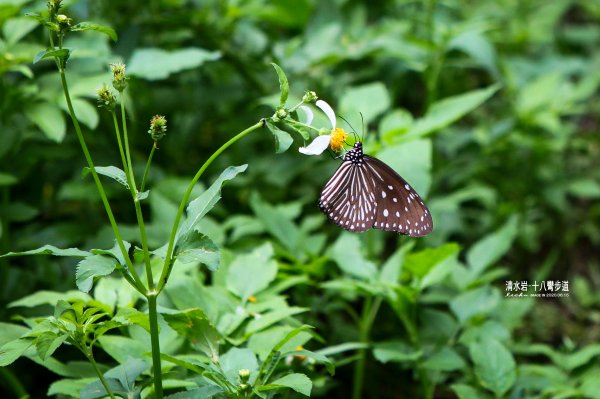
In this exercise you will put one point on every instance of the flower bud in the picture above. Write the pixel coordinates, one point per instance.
(106, 98)
(281, 113)
(309, 97)
(53, 7)
(158, 127)
(119, 79)
(64, 22)
(244, 375)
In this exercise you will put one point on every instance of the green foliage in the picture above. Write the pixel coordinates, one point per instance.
(488, 109)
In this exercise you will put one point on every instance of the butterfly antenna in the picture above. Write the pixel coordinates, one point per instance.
(353, 131)
(362, 119)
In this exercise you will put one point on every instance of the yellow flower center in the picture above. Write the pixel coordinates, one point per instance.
(338, 138)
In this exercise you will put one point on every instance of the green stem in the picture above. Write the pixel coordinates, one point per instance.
(154, 147)
(134, 195)
(12, 383)
(120, 143)
(166, 271)
(154, 339)
(90, 357)
(139, 285)
(370, 309)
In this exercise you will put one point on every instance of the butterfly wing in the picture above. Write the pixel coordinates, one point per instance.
(348, 198)
(398, 206)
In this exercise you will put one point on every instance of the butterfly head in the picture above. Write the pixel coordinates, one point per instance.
(355, 155)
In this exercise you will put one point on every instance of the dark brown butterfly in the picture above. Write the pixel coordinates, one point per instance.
(365, 193)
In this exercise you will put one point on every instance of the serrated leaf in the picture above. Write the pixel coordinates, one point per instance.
(93, 266)
(495, 366)
(87, 26)
(49, 342)
(296, 381)
(196, 328)
(12, 350)
(284, 86)
(251, 273)
(113, 172)
(50, 250)
(196, 247)
(202, 204)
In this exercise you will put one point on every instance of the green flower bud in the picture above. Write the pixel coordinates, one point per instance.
(309, 97)
(106, 98)
(53, 7)
(119, 79)
(244, 374)
(64, 22)
(158, 127)
(281, 113)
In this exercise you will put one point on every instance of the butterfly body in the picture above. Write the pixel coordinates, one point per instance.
(365, 193)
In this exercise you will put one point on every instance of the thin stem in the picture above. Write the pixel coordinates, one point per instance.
(154, 147)
(166, 271)
(370, 309)
(134, 195)
(154, 340)
(139, 285)
(120, 143)
(12, 383)
(90, 357)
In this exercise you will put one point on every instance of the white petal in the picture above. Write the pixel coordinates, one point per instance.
(308, 113)
(317, 146)
(328, 111)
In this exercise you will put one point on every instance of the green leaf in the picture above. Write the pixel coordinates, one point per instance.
(268, 319)
(7, 179)
(251, 273)
(50, 298)
(296, 381)
(284, 86)
(582, 357)
(390, 271)
(156, 64)
(277, 223)
(478, 47)
(51, 250)
(261, 342)
(444, 112)
(424, 262)
(237, 359)
(87, 26)
(68, 387)
(283, 140)
(205, 201)
(48, 342)
(121, 381)
(93, 266)
(346, 253)
(12, 350)
(479, 301)
(121, 348)
(396, 351)
(495, 366)
(317, 356)
(49, 118)
(196, 247)
(15, 29)
(585, 188)
(445, 360)
(62, 54)
(115, 252)
(196, 328)
(113, 172)
(492, 247)
(370, 100)
(467, 392)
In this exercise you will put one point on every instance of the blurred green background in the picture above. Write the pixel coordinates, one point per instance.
(489, 109)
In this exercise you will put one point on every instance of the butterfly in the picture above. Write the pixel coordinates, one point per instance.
(366, 193)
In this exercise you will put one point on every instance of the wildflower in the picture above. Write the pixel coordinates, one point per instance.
(106, 98)
(119, 79)
(333, 138)
(252, 298)
(158, 127)
(309, 97)
(244, 375)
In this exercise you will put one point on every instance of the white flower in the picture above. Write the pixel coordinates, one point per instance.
(335, 139)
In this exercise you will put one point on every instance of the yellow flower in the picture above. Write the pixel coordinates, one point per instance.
(338, 139)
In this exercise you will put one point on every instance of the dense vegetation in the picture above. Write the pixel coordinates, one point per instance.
(489, 109)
